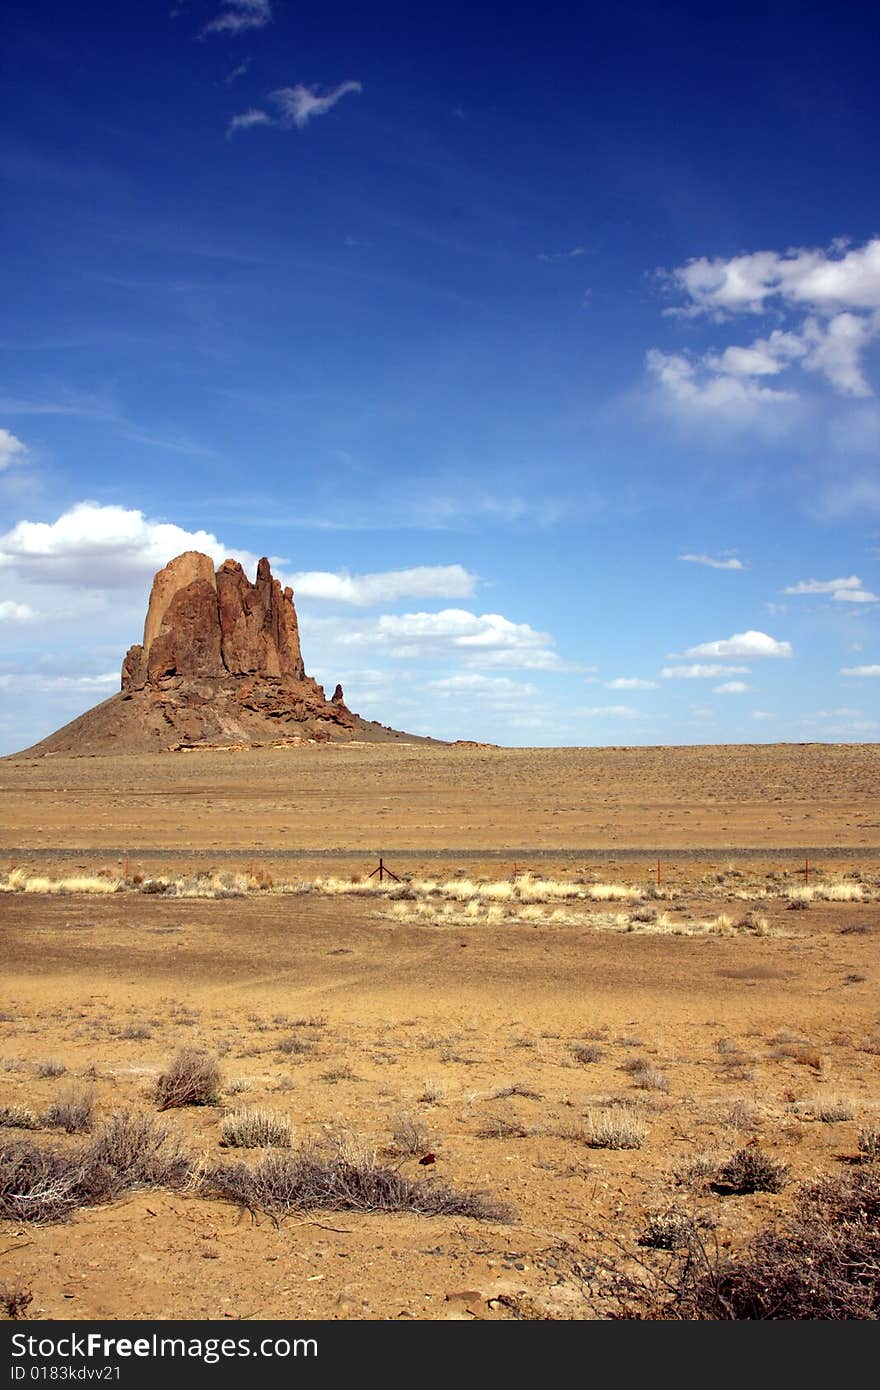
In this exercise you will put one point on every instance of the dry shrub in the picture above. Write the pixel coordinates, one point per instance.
(128, 1151)
(192, 1079)
(503, 1127)
(410, 1136)
(295, 1047)
(72, 1113)
(343, 1179)
(669, 1229)
(833, 1112)
(131, 1150)
(255, 1129)
(52, 1067)
(36, 1184)
(585, 1053)
(649, 1078)
(751, 1170)
(820, 1264)
(869, 1143)
(15, 1299)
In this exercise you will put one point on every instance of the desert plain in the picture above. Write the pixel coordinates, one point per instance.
(676, 946)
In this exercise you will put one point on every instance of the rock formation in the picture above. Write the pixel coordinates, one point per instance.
(220, 665)
(202, 625)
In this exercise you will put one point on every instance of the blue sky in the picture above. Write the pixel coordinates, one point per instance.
(539, 351)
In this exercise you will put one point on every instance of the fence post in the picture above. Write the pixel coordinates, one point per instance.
(806, 871)
(658, 873)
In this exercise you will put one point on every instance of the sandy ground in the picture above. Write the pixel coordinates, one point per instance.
(466, 1040)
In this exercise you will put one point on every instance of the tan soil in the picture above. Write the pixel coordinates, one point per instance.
(431, 1022)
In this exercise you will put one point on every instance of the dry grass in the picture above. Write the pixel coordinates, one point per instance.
(613, 1128)
(255, 1129)
(18, 1117)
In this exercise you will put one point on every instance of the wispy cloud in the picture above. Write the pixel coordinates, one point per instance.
(245, 120)
(732, 688)
(238, 16)
(860, 670)
(701, 672)
(849, 590)
(11, 449)
(630, 683)
(609, 712)
(423, 581)
(498, 691)
(571, 255)
(301, 104)
(716, 564)
(237, 72)
(748, 644)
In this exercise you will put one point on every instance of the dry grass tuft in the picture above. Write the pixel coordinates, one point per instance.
(18, 1117)
(255, 1129)
(613, 1128)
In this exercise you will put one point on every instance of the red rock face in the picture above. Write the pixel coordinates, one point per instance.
(258, 628)
(202, 625)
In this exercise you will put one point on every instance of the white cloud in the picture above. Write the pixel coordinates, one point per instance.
(730, 564)
(11, 449)
(31, 683)
(765, 356)
(823, 586)
(610, 712)
(762, 714)
(487, 689)
(486, 640)
(237, 16)
(832, 297)
(732, 688)
(245, 120)
(860, 670)
(855, 596)
(630, 683)
(824, 281)
(700, 672)
(693, 389)
(423, 581)
(300, 104)
(96, 547)
(749, 644)
(12, 612)
(836, 350)
(847, 590)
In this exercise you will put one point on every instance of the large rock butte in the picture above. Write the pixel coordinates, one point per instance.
(220, 665)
